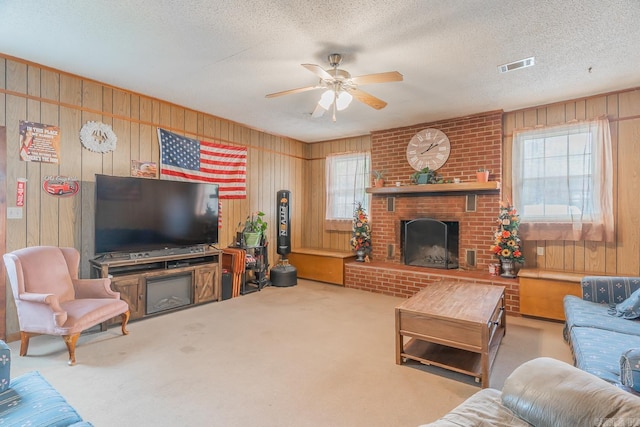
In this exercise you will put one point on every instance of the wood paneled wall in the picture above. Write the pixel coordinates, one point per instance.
(315, 235)
(621, 257)
(36, 93)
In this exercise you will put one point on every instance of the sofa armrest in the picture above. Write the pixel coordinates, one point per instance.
(548, 392)
(5, 366)
(94, 288)
(50, 300)
(608, 289)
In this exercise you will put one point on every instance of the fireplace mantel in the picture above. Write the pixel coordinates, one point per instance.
(462, 187)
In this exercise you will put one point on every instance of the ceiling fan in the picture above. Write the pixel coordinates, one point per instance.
(341, 88)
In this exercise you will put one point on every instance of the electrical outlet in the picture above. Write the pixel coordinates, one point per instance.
(540, 250)
(14, 213)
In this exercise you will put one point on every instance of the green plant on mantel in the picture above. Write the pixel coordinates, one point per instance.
(378, 174)
(432, 177)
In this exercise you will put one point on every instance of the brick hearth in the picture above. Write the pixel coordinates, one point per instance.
(404, 280)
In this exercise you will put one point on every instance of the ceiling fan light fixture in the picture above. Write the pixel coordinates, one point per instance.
(326, 99)
(343, 99)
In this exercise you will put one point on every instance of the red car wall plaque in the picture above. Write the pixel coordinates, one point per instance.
(61, 186)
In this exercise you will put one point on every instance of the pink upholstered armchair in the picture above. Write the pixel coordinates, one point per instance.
(51, 300)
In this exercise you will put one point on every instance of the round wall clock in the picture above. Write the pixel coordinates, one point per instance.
(428, 148)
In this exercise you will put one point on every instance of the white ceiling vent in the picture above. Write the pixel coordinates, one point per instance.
(523, 63)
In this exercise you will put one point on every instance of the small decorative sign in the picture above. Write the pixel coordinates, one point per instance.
(39, 142)
(144, 169)
(98, 137)
(61, 186)
(21, 191)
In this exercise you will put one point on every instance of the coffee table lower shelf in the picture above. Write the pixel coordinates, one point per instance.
(451, 358)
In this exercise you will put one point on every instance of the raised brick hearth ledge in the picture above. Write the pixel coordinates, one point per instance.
(404, 280)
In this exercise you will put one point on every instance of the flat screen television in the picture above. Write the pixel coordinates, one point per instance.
(140, 214)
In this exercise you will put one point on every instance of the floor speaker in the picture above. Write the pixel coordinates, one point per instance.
(226, 285)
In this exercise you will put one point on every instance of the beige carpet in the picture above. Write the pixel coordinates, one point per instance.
(309, 355)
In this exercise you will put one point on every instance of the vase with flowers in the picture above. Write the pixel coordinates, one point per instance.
(507, 244)
(361, 233)
(255, 228)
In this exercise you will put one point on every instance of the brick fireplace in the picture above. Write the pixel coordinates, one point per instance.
(476, 142)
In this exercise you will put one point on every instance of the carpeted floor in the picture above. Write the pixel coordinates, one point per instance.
(309, 355)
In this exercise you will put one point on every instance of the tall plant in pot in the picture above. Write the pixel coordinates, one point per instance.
(361, 233)
(254, 228)
(507, 244)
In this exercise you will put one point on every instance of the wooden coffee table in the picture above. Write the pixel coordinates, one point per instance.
(456, 326)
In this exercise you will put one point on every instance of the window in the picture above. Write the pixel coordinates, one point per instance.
(347, 178)
(563, 181)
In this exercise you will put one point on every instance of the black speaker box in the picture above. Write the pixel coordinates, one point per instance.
(226, 285)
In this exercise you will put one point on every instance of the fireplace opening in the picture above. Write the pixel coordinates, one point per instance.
(430, 243)
(168, 293)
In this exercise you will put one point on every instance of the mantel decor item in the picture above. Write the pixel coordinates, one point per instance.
(378, 178)
(255, 228)
(361, 233)
(424, 176)
(482, 175)
(507, 241)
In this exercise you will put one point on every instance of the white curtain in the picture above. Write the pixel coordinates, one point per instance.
(347, 177)
(563, 181)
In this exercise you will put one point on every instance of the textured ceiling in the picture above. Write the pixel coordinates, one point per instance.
(223, 57)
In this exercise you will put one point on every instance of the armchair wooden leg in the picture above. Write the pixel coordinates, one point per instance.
(125, 320)
(24, 342)
(70, 341)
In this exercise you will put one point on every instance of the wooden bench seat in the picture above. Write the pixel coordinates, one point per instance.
(542, 291)
(323, 265)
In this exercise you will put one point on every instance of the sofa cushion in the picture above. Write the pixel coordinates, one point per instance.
(579, 312)
(548, 393)
(32, 401)
(598, 351)
(629, 308)
(483, 408)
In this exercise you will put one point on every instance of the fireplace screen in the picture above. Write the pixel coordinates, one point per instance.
(167, 293)
(431, 243)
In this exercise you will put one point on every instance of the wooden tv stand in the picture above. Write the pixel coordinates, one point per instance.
(199, 272)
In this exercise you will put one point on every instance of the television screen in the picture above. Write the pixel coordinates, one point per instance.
(139, 214)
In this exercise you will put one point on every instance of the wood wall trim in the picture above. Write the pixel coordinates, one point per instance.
(143, 122)
(108, 86)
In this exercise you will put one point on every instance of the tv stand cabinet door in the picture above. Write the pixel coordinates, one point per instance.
(131, 291)
(206, 284)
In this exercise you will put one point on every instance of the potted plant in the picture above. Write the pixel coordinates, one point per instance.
(507, 241)
(361, 233)
(482, 175)
(424, 176)
(254, 228)
(378, 178)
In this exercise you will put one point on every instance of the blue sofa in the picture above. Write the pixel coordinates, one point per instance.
(29, 400)
(597, 338)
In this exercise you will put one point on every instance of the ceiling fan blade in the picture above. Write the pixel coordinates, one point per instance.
(391, 76)
(318, 112)
(318, 71)
(290, 91)
(368, 99)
